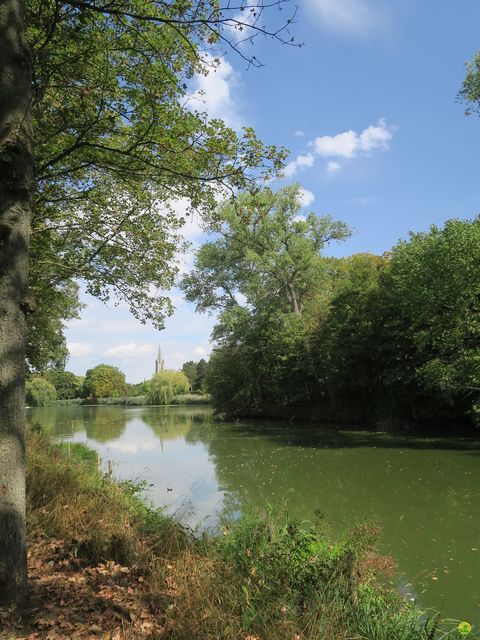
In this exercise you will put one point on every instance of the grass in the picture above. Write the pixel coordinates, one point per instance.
(67, 497)
(265, 577)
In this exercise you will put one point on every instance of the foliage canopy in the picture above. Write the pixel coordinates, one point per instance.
(166, 384)
(120, 140)
(104, 381)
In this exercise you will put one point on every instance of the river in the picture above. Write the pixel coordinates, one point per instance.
(425, 493)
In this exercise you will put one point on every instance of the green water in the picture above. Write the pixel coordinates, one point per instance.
(425, 493)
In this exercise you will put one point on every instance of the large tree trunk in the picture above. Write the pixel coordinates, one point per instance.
(16, 179)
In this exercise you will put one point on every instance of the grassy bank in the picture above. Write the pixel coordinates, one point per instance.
(134, 401)
(140, 574)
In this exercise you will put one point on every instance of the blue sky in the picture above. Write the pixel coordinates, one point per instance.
(368, 111)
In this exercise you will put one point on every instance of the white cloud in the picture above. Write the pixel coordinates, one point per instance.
(306, 198)
(213, 93)
(177, 359)
(130, 349)
(333, 167)
(375, 137)
(350, 144)
(300, 162)
(200, 351)
(299, 134)
(342, 145)
(79, 349)
(353, 17)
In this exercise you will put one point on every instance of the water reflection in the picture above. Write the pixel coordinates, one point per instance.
(425, 492)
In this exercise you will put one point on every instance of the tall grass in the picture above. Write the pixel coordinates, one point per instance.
(265, 577)
(67, 497)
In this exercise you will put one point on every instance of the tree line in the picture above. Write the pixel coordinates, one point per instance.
(107, 381)
(391, 340)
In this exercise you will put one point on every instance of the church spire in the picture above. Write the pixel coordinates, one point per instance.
(159, 362)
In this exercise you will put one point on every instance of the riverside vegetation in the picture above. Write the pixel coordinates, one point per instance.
(132, 572)
(389, 340)
(105, 384)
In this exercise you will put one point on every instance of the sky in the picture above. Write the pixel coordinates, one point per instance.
(368, 110)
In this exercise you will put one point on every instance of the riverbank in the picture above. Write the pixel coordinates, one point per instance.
(104, 565)
(186, 399)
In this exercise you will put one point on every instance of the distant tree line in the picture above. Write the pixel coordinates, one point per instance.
(392, 340)
(106, 381)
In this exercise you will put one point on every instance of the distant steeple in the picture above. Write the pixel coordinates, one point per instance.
(159, 362)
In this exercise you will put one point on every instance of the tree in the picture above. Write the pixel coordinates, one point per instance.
(119, 141)
(190, 370)
(46, 345)
(166, 384)
(39, 392)
(470, 92)
(196, 373)
(67, 384)
(199, 385)
(104, 381)
(137, 389)
(262, 272)
(16, 179)
(260, 365)
(429, 322)
(266, 252)
(115, 138)
(345, 336)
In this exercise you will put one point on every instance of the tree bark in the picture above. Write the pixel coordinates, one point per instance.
(16, 180)
(292, 296)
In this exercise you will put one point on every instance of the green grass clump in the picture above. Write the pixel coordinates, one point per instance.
(80, 452)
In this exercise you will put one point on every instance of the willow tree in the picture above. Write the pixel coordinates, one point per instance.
(118, 141)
